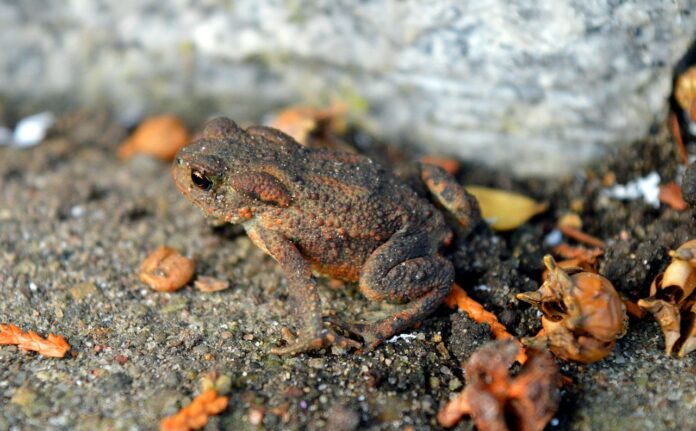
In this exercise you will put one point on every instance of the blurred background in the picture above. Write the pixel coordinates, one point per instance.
(538, 88)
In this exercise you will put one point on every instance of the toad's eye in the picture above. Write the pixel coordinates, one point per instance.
(201, 180)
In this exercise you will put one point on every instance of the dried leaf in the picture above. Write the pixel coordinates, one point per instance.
(195, 415)
(53, 346)
(505, 210)
(671, 195)
(165, 270)
(160, 137)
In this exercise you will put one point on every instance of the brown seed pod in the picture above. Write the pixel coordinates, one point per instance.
(583, 314)
(673, 300)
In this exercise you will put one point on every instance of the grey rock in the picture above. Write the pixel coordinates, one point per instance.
(537, 87)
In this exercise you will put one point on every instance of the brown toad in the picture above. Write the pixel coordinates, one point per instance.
(328, 213)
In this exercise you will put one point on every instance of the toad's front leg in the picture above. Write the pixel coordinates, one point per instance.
(303, 293)
(459, 206)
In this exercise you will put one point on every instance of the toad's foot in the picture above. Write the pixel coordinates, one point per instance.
(307, 343)
(373, 334)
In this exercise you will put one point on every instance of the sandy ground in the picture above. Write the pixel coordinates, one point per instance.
(75, 224)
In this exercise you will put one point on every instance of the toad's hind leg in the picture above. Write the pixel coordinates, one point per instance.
(404, 270)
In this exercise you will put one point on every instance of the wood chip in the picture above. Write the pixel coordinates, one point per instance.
(208, 284)
(196, 415)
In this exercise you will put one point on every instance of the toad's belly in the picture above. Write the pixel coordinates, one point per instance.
(342, 271)
(338, 258)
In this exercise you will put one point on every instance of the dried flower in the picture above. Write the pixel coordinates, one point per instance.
(53, 346)
(165, 270)
(196, 414)
(673, 300)
(576, 257)
(583, 314)
(498, 402)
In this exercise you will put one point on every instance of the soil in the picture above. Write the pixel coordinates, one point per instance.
(76, 222)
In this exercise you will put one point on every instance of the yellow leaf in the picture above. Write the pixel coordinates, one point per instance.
(505, 210)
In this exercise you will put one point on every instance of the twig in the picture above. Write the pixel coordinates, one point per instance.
(459, 299)
(581, 236)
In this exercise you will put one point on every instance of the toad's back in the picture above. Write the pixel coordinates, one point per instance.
(344, 207)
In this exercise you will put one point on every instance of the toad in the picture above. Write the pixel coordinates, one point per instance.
(329, 213)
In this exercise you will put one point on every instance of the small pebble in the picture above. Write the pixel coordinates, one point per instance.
(32, 130)
(454, 384)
